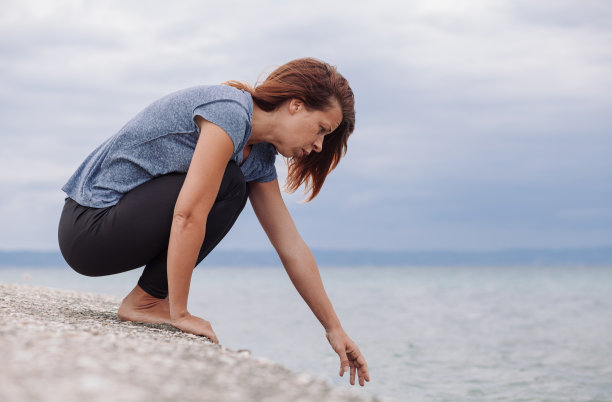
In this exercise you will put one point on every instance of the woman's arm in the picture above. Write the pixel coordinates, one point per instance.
(195, 200)
(302, 269)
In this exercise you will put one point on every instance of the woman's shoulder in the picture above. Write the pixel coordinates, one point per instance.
(203, 94)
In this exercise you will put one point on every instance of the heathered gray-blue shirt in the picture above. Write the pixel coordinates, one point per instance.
(162, 138)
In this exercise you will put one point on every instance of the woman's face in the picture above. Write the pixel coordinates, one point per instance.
(303, 130)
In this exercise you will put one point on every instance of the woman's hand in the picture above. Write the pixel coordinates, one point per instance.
(350, 356)
(195, 325)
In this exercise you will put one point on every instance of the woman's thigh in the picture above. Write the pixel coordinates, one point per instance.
(125, 236)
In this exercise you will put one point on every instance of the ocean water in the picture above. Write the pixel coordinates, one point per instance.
(429, 333)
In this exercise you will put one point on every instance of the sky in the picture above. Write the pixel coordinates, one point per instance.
(481, 125)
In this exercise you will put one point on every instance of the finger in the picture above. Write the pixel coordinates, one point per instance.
(344, 362)
(210, 334)
(361, 376)
(365, 373)
(361, 360)
(363, 367)
(213, 337)
(353, 370)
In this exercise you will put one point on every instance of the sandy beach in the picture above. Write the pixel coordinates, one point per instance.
(59, 345)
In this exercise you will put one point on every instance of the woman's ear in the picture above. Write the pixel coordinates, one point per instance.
(295, 105)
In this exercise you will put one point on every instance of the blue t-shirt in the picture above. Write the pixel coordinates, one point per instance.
(162, 138)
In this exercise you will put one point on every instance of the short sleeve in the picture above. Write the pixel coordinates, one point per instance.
(269, 175)
(230, 115)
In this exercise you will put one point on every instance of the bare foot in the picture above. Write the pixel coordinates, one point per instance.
(140, 306)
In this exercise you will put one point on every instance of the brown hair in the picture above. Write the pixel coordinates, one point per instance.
(317, 84)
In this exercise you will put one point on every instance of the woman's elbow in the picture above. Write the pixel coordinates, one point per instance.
(188, 219)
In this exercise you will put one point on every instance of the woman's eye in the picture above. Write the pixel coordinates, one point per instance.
(322, 130)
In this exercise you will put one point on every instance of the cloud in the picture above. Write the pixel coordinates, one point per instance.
(461, 107)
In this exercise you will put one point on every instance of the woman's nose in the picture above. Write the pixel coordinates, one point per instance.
(318, 145)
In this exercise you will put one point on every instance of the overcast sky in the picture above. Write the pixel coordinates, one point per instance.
(480, 124)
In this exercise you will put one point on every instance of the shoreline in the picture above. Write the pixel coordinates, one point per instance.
(61, 345)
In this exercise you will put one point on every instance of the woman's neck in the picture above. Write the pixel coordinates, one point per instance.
(263, 125)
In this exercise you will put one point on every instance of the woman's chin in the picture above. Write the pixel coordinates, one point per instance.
(289, 154)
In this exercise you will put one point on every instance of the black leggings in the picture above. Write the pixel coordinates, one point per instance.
(136, 231)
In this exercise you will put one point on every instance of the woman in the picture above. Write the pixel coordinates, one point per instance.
(169, 185)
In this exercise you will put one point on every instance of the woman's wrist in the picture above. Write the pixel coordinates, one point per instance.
(333, 328)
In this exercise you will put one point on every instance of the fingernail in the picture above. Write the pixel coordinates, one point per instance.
(345, 370)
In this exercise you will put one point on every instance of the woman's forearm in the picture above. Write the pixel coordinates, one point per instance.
(302, 269)
(186, 238)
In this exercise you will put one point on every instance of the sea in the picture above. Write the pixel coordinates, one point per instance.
(428, 333)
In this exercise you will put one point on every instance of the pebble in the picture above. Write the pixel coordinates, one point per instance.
(60, 345)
